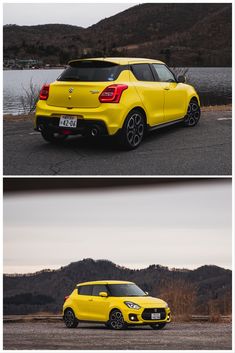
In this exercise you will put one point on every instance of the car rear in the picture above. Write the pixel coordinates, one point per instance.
(89, 96)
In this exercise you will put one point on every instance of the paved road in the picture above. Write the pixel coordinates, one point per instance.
(177, 336)
(202, 150)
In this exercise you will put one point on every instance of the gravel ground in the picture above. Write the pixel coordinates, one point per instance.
(175, 336)
(203, 150)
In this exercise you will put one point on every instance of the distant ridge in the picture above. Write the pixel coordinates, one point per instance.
(206, 289)
(180, 34)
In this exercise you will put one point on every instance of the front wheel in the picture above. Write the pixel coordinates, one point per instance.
(193, 114)
(53, 137)
(69, 319)
(132, 132)
(158, 326)
(116, 320)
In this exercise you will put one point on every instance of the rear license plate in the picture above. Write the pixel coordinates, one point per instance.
(156, 316)
(68, 121)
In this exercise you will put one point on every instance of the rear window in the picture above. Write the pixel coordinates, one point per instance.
(85, 290)
(91, 71)
(142, 72)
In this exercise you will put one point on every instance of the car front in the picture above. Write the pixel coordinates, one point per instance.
(138, 308)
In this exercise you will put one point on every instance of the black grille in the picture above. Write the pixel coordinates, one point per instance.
(146, 315)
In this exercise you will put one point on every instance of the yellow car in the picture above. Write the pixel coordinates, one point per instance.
(124, 97)
(117, 304)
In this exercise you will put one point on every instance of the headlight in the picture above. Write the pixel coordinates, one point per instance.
(132, 305)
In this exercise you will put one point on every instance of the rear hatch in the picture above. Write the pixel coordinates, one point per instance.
(80, 85)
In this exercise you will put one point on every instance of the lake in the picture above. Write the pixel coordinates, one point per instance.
(214, 85)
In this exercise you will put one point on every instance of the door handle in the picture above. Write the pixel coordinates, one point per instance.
(90, 300)
(166, 88)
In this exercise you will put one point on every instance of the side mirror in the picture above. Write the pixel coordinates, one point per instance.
(181, 79)
(147, 293)
(103, 294)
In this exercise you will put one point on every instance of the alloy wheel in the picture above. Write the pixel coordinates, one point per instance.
(193, 114)
(116, 320)
(135, 129)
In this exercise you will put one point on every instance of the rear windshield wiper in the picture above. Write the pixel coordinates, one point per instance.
(69, 79)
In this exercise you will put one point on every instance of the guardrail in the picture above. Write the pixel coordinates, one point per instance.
(49, 318)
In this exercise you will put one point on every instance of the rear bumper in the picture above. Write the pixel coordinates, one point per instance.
(110, 116)
(84, 127)
(143, 316)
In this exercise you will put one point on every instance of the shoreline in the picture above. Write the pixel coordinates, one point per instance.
(30, 117)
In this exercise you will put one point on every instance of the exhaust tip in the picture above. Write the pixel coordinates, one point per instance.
(94, 131)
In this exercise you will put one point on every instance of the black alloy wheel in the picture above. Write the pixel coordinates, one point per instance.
(69, 319)
(193, 114)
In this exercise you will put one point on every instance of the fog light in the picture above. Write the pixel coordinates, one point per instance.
(133, 317)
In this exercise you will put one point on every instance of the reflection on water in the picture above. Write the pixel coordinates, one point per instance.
(214, 85)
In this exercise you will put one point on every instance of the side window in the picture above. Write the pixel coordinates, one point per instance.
(99, 288)
(163, 73)
(142, 72)
(85, 290)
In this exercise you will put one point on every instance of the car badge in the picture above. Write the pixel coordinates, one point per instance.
(71, 90)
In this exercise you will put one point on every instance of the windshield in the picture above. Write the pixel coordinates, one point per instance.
(125, 290)
(91, 71)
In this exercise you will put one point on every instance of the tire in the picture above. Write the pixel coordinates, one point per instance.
(158, 326)
(116, 321)
(132, 132)
(69, 319)
(53, 137)
(193, 114)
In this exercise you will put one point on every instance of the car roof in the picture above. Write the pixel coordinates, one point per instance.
(120, 61)
(104, 282)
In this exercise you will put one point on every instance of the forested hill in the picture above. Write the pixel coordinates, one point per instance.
(206, 290)
(193, 34)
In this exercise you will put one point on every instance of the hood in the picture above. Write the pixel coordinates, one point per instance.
(147, 302)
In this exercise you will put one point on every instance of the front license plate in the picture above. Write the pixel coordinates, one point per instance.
(156, 316)
(68, 121)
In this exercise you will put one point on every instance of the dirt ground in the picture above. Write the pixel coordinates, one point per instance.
(175, 336)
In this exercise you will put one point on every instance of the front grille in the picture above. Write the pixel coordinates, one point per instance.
(146, 315)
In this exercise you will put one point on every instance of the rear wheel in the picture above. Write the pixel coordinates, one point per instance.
(193, 114)
(132, 132)
(116, 320)
(158, 326)
(53, 137)
(69, 319)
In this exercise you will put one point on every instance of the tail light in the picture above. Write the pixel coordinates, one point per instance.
(112, 94)
(44, 93)
(65, 298)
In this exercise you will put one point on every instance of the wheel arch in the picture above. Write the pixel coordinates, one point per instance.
(141, 110)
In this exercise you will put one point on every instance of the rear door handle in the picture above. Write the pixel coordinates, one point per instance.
(166, 88)
(90, 300)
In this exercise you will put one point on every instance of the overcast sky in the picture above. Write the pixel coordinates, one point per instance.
(78, 14)
(176, 226)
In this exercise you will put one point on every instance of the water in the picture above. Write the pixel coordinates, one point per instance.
(214, 85)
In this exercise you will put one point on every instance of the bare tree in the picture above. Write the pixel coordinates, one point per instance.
(30, 97)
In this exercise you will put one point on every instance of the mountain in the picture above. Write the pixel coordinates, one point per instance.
(193, 34)
(206, 290)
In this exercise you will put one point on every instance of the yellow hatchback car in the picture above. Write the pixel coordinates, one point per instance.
(124, 97)
(116, 304)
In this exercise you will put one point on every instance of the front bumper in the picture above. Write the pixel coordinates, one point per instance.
(143, 316)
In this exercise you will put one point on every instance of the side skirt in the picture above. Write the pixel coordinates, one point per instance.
(159, 126)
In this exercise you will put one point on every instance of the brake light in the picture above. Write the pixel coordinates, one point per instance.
(65, 298)
(44, 93)
(112, 94)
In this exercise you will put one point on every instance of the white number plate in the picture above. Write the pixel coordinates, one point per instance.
(68, 121)
(156, 316)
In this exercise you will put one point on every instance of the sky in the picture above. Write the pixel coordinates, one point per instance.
(177, 225)
(77, 14)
